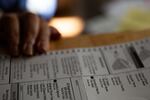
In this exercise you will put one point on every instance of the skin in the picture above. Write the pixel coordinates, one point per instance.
(26, 34)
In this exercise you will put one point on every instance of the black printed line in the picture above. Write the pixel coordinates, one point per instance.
(72, 88)
(79, 90)
(135, 57)
(10, 70)
(18, 91)
(103, 56)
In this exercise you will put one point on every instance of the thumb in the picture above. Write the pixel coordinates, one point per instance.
(55, 34)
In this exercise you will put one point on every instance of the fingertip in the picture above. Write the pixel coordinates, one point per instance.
(44, 49)
(27, 49)
(55, 34)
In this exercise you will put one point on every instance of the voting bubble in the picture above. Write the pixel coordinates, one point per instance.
(92, 77)
(55, 80)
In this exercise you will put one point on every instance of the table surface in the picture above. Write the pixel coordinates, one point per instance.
(98, 40)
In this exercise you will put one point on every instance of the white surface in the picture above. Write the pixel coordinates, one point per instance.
(79, 74)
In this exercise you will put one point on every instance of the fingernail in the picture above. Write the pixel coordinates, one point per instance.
(42, 48)
(28, 49)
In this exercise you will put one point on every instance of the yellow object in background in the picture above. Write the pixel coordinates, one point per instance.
(135, 19)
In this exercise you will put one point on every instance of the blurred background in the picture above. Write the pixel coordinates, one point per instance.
(77, 17)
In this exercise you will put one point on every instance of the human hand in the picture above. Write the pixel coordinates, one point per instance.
(26, 34)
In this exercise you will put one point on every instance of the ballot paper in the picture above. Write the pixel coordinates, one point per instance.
(112, 72)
